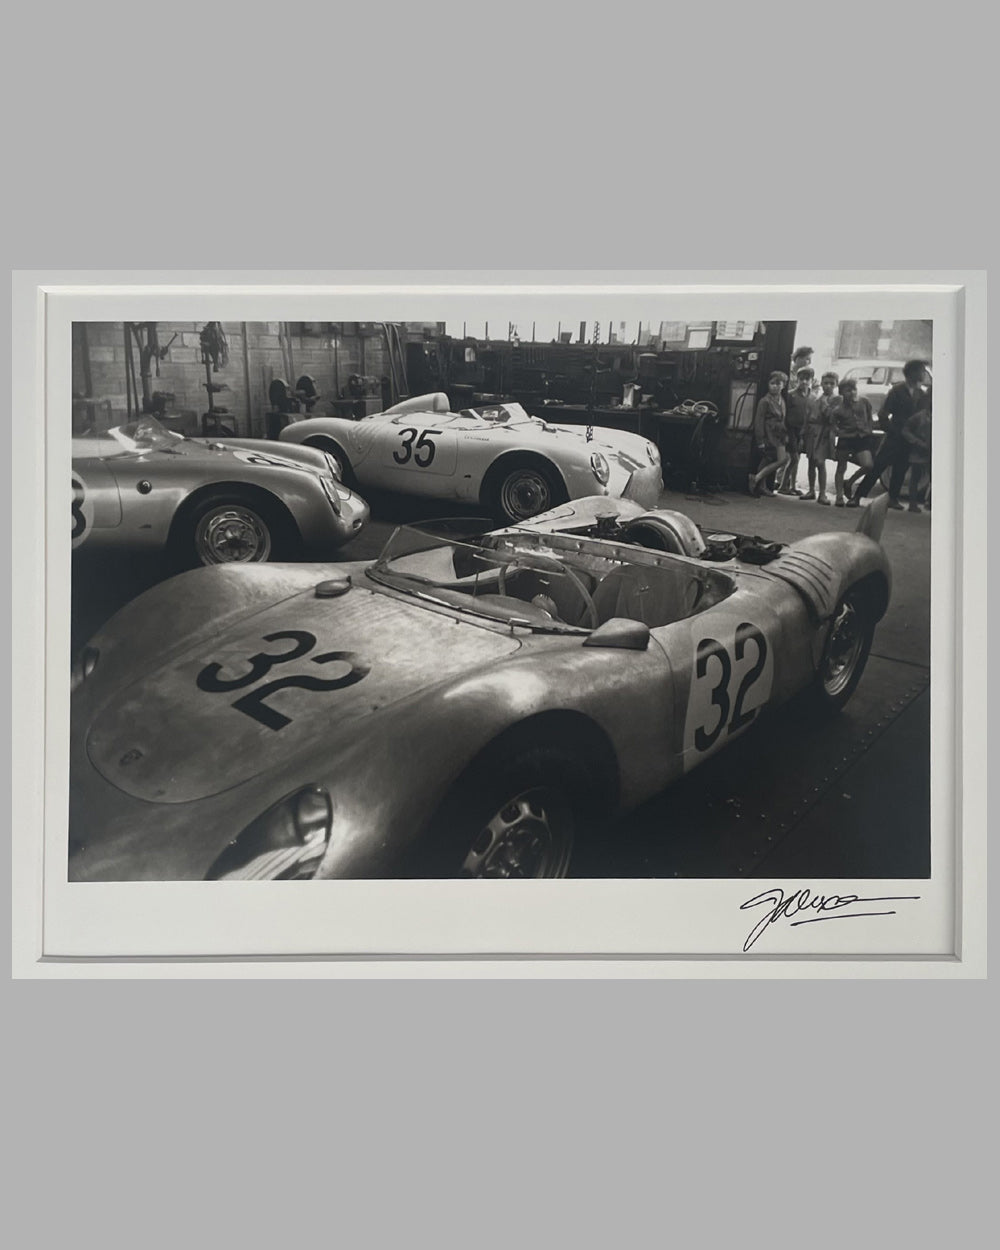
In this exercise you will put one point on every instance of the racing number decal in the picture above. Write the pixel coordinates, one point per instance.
(257, 458)
(748, 633)
(253, 703)
(83, 511)
(79, 520)
(731, 683)
(422, 452)
(260, 664)
(709, 649)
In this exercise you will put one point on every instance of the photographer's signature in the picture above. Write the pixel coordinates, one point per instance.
(821, 907)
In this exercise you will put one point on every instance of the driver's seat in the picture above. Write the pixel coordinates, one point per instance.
(527, 583)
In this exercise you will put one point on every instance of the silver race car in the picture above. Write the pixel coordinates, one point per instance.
(465, 705)
(496, 455)
(208, 501)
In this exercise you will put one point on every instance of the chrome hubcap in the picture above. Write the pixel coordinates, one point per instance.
(842, 650)
(524, 495)
(232, 534)
(528, 837)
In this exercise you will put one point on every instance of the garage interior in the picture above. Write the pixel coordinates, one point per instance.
(689, 387)
(780, 802)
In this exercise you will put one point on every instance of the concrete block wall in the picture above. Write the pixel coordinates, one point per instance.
(258, 353)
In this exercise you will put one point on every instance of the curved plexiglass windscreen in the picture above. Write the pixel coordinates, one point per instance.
(492, 578)
(134, 438)
(549, 582)
(498, 414)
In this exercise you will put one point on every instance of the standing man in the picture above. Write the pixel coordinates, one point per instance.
(917, 436)
(799, 407)
(802, 358)
(902, 401)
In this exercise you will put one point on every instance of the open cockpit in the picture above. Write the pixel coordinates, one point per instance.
(550, 580)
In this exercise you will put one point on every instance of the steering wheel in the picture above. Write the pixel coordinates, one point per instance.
(544, 564)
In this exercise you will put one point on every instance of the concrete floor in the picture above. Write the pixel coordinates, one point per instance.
(797, 797)
(847, 797)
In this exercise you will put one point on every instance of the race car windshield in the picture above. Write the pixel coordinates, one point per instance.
(143, 434)
(498, 582)
(498, 414)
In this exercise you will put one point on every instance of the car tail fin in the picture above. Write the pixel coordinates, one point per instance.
(872, 518)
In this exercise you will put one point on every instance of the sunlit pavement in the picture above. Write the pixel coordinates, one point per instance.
(793, 797)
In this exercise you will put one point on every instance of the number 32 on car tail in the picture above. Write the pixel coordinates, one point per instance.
(732, 676)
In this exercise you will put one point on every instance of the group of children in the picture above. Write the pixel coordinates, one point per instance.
(838, 425)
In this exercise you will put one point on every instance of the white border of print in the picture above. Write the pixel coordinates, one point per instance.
(570, 928)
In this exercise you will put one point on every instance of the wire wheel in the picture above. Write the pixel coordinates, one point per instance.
(524, 493)
(530, 835)
(231, 533)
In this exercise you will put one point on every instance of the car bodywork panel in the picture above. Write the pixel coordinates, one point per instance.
(420, 448)
(359, 653)
(207, 658)
(131, 498)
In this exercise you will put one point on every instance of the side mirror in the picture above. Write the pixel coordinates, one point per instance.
(618, 632)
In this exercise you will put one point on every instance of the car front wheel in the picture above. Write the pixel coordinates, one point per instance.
(233, 529)
(530, 834)
(515, 815)
(524, 491)
(231, 532)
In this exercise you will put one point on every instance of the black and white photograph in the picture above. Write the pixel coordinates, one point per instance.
(440, 599)
(625, 607)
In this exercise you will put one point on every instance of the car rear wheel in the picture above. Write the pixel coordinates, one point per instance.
(845, 651)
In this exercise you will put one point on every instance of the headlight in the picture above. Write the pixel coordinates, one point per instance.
(600, 467)
(285, 843)
(652, 451)
(331, 493)
(85, 664)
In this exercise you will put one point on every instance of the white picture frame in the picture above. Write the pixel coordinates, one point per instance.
(573, 929)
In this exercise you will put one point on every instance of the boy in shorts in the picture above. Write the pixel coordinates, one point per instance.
(820, 438)
(852, 421)
(770, 434)
(799, 407)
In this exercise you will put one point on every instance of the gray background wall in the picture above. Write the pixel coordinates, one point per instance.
(154, 1114)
